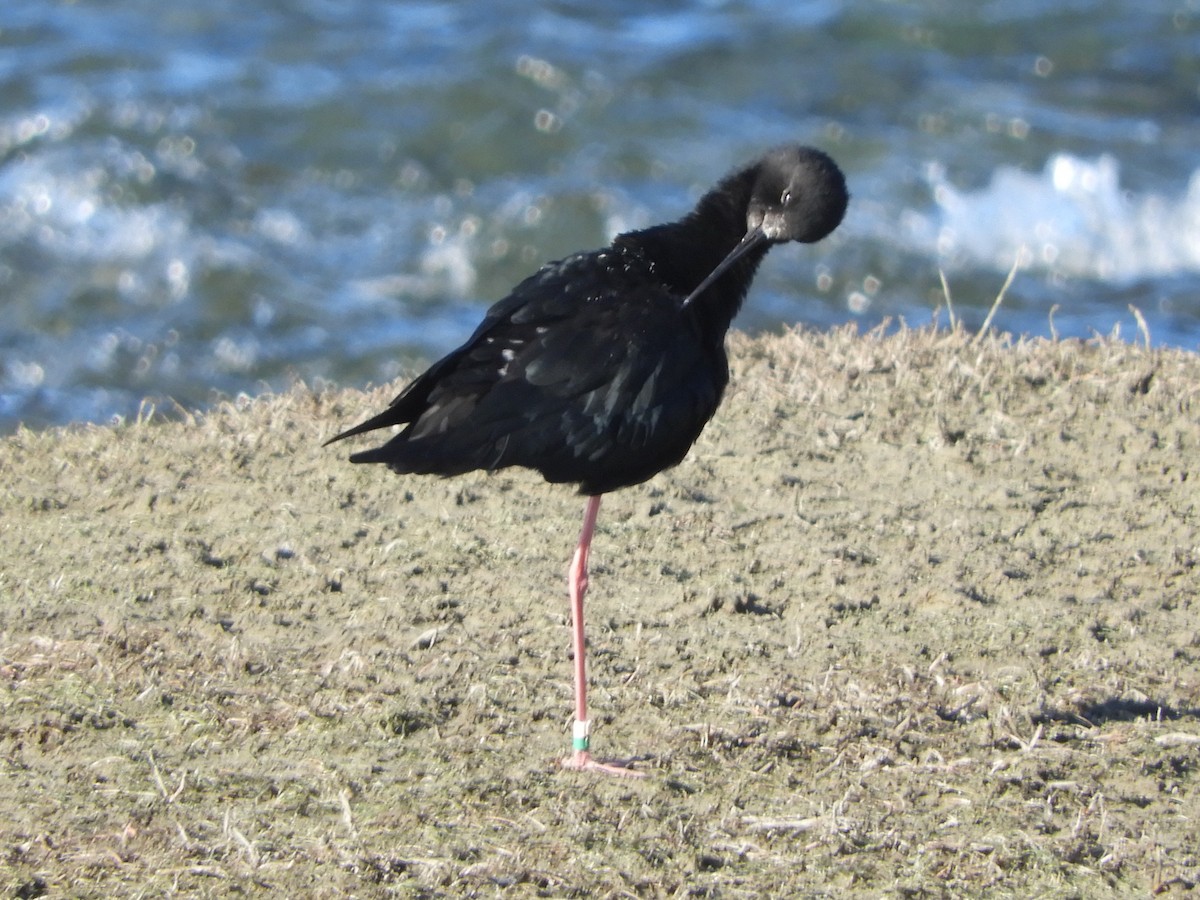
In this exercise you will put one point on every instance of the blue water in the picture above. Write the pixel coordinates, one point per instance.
(205, 199)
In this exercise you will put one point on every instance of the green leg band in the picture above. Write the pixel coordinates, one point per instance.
(582, 736)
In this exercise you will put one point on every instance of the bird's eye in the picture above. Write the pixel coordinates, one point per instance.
(786, 198)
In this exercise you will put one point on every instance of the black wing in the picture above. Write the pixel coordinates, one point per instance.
(588, 372)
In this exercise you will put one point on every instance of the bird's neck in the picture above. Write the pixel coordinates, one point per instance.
(683, 253)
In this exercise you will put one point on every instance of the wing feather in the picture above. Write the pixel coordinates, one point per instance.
(580, 384)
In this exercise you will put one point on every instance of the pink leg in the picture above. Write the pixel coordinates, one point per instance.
(577, 580)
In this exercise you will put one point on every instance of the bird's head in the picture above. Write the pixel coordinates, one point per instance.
(797, 194)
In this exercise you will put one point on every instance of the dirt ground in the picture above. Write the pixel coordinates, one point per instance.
(916, 618)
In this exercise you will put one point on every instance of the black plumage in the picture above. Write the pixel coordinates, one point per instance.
(601, 369)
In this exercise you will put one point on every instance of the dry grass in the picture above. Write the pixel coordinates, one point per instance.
(915, 619)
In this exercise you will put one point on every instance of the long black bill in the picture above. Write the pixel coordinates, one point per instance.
(753, 238)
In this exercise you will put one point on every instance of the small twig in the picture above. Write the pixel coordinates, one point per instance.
(232, 831)
(949, 302)
(1030, 745)
(347, 815)
(158, 779)
(1142, 326)
(987, 323)
(1177, 739)
(756, 824)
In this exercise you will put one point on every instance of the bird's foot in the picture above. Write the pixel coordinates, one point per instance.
(582, 761)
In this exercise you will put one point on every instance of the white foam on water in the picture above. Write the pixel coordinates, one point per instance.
(1072, 219)
(76, 215)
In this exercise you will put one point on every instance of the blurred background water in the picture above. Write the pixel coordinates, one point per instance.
(198, 199)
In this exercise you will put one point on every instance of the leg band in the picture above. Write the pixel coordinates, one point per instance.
(581, 736)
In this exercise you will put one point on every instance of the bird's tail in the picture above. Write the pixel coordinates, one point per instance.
(393, 415)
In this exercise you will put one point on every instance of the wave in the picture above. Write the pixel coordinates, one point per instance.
(1071, 219)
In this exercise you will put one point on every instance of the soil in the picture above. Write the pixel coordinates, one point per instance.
(917, 617)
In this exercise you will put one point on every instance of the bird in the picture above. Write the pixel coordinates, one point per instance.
(601, 369)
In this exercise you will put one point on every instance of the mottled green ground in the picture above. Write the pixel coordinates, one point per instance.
(916, 618)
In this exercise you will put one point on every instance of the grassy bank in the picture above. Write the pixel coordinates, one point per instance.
(916, 618)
